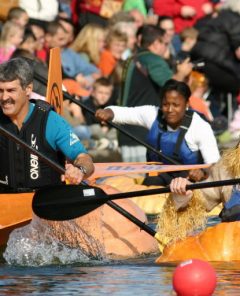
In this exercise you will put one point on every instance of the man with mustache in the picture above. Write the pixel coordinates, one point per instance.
(40, 127)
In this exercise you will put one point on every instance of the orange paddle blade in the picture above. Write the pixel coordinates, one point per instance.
(54, 88)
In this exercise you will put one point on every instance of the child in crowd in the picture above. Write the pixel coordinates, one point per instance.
(188, 39)
(11, 37)
(198, 84)
(99, 136)
(130, 29)
(116, 44)
(18, 16)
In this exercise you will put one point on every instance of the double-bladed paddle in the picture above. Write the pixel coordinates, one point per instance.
(70, 201)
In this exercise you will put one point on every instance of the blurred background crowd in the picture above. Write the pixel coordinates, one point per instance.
(121, 52)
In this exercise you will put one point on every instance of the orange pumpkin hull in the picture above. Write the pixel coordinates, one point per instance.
(15, 211)
(217, 243)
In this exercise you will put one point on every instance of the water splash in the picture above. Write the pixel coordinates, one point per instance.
(35, 245)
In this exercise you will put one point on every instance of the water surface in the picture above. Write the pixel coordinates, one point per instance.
(140, 276)
(136, 277)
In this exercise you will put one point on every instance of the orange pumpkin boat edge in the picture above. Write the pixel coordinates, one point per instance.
(217, 243)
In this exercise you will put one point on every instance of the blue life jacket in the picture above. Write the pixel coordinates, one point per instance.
(231, 209)
(172, 143)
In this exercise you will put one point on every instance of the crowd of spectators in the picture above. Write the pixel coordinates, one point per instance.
(122, 52)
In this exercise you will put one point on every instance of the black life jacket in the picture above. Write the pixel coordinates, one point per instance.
(20, 169)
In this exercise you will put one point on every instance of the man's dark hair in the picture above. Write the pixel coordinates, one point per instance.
(179, 86)
(163, 18)
(66, 20)
(149, 34)
(53, 27)
(103, 81)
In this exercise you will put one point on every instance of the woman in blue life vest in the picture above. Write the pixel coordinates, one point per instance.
(176, 131)
(227, 167)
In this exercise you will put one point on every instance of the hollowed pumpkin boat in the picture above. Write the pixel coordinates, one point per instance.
(15, 211)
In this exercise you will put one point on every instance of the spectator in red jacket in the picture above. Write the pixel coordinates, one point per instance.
(185, 13)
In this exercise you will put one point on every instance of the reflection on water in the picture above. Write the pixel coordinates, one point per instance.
(116, 279)
(139, 277)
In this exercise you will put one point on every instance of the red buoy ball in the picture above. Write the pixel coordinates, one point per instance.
(194, 277)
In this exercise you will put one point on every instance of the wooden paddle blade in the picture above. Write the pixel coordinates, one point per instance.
(65, 202)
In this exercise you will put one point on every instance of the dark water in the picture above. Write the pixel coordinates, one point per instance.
(138, 277)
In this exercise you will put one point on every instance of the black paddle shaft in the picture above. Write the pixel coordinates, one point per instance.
(168, 190)
(132, 218)
(71, 201)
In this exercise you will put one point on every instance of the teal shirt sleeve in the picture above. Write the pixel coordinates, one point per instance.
(60, 136)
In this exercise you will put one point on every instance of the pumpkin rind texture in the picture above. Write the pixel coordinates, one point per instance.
(217, 243)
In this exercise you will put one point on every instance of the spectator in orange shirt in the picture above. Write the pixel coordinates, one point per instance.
(116, 44)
